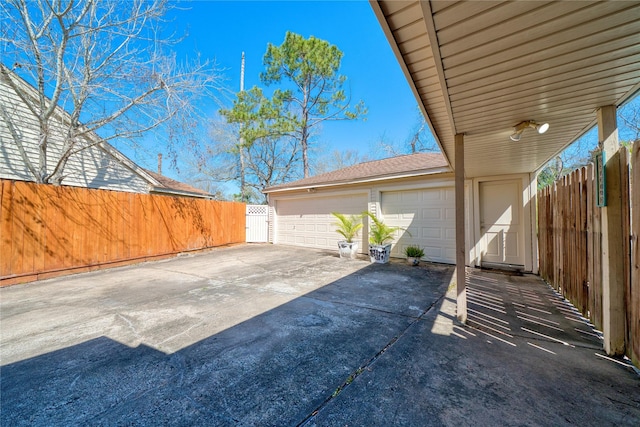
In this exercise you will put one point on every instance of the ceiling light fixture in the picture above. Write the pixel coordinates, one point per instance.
(520, 127)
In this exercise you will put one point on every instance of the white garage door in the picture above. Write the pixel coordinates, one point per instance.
(308, 222)
(429, 215)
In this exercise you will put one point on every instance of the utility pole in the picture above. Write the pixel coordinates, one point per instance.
(243, 195)
(242, 74)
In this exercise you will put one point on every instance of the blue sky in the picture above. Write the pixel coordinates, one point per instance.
(222, 30)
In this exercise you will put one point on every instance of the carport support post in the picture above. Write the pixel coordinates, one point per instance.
(613, 313)
(461, 285)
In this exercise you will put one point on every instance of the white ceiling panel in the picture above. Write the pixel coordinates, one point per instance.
(481, 67)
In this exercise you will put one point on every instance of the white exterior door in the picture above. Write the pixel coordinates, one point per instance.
(502, 222)
(257, 224)
(428, 214)
(308, 221)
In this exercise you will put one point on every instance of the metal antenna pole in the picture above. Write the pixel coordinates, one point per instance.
(241, 147)
(242, 74)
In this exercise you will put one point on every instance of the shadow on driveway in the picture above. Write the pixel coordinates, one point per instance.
(264, 335)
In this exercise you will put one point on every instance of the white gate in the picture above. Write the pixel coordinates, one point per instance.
(257, 223)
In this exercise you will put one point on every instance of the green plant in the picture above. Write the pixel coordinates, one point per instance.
(348, 226)
(414, 252)
(379, 232)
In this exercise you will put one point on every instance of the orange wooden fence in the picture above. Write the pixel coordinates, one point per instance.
(569, 241)
(47, 230)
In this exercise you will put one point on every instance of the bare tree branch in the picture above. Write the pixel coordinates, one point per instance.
(104, 64)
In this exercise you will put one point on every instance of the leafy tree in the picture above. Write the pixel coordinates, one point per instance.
(264, 153)
(273, 132)
(105, 64)
(312, 91)
(271, 161)
(551, 172)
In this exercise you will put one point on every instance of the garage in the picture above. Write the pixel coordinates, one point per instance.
(413, 191)
(308, 221)
(428, 215)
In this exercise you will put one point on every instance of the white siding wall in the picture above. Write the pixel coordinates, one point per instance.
(92, 167)
(424, 206)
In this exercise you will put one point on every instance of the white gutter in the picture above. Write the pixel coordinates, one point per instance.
(170, 191)
(361, 180)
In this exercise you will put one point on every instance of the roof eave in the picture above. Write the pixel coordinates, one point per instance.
(173, 192)
(434, 171)
(384, 25)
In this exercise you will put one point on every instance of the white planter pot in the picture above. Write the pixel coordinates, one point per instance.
(413, 261)
(348, 250)
(380, 253)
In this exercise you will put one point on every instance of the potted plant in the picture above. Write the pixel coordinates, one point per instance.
(413, 253)
(348, 227)
(380, 235)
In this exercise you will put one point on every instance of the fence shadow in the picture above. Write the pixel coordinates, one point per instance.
(380, 346)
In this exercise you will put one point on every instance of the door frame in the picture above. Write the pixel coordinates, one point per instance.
(528, 213)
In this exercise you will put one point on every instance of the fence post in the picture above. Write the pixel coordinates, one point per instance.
(461, 254)
(635, 259)
(613, 309)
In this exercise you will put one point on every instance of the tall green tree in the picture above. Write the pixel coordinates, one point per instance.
(264, 153)
(310, 89)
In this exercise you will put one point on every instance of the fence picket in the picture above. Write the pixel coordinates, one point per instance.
(47, 230)
(570, 241)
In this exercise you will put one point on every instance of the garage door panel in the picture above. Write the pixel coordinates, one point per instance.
(449, 253)
(408, 197)
(408, 214)
(450, 214)
(431, 233)
(450, 194)
(450, 234)
(432, 195)
(308, 222)
(432, 252)
(429, 215)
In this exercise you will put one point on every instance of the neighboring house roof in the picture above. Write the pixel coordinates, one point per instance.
(99, 165)
(409, 165)
(171, 186)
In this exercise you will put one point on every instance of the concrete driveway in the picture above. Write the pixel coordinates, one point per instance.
(275, 335)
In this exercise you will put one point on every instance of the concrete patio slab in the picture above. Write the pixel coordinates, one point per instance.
(274, 335)
(517, 366)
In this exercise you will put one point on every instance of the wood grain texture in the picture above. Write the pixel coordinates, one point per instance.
(46, 230)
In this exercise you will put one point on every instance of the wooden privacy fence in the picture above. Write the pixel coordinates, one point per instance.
(569, 241)
(47, 230)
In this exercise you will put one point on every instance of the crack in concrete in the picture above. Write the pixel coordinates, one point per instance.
(186, 331)
(130, 325)
(366, 367)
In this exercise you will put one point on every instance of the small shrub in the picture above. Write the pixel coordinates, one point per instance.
(414, 252)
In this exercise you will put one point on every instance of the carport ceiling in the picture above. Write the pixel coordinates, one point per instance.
(481, 67)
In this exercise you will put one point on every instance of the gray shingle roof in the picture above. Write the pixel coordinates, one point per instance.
(177, 186)
(394, 167)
